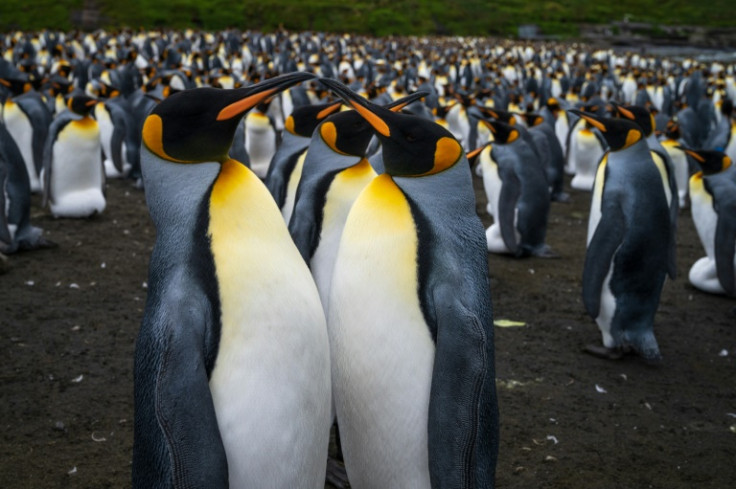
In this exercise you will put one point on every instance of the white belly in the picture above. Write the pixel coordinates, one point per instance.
(288, 208)
(381, 348)
(271, 380)
(587, 154)
(76, 173)
(344, 189)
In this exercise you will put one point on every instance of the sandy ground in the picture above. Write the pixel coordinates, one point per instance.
(69, 317)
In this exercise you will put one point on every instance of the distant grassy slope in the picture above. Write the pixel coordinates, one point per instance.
(378, 17)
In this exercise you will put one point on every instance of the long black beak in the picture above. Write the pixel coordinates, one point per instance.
(249, 97)
(376, 116)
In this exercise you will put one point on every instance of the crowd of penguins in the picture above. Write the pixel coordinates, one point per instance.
(318, 251)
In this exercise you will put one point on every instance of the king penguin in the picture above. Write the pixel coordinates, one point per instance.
(260, 139)
(335, 171)
(713, 205)
(15, 196)
(522, 201)
(285, 169)
(410, 319)
(232, 370)
(73, 173)
(645, 120)
(27, 118)
(628, 236)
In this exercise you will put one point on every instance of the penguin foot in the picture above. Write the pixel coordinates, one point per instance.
(38, 244)
(4, 264)
(562, 197)
(336, 475)
(606, 353)
(545, 252)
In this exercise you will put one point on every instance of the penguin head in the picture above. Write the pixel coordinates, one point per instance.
(709, 161)
(533, 119)
(16, 86)
(640, 115)
(80, 104)
(198, 125)
(673, 129)
(349, 133)
(503, 133)
(499, 115)
(618, 133)
(412, 146)
(305, 119)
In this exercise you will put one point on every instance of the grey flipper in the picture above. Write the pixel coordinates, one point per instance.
(48, 152)
(463, 428)
(6, 240)
(283, 164)
(510, 192)
(674, 210)
(455, 296)
(607, 238)
(40, 116)
(725, 245)
(320, 167)
(175, 420)
(116, 146)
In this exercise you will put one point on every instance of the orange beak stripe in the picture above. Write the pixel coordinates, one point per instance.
(329, 110)
(241, 106)
(595, 123)
(375, 121)
(695, 155)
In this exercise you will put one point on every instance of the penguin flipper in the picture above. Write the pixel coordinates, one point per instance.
(463, 415)
(303, 231)
(177, 438)
(510, 192)
(725, 247)
(116, 147)
(275, 178)
(607, 238)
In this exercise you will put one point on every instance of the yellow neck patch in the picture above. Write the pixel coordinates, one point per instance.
(153, 138)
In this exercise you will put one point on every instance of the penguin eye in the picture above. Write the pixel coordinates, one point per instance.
(411, 137)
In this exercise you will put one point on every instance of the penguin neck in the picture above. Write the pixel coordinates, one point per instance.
(176, 194)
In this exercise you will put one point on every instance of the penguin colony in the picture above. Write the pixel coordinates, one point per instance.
(318, 255)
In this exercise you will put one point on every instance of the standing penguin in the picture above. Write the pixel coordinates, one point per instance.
(628, 236)
(671, 144)
(260, 139)
(285, 168)
(232, 372)
(16, 231)
(520, 226)
(73, 174)
(27, 118)
(413, 358)
(543, 132)
(713, 198)
(584, 152)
